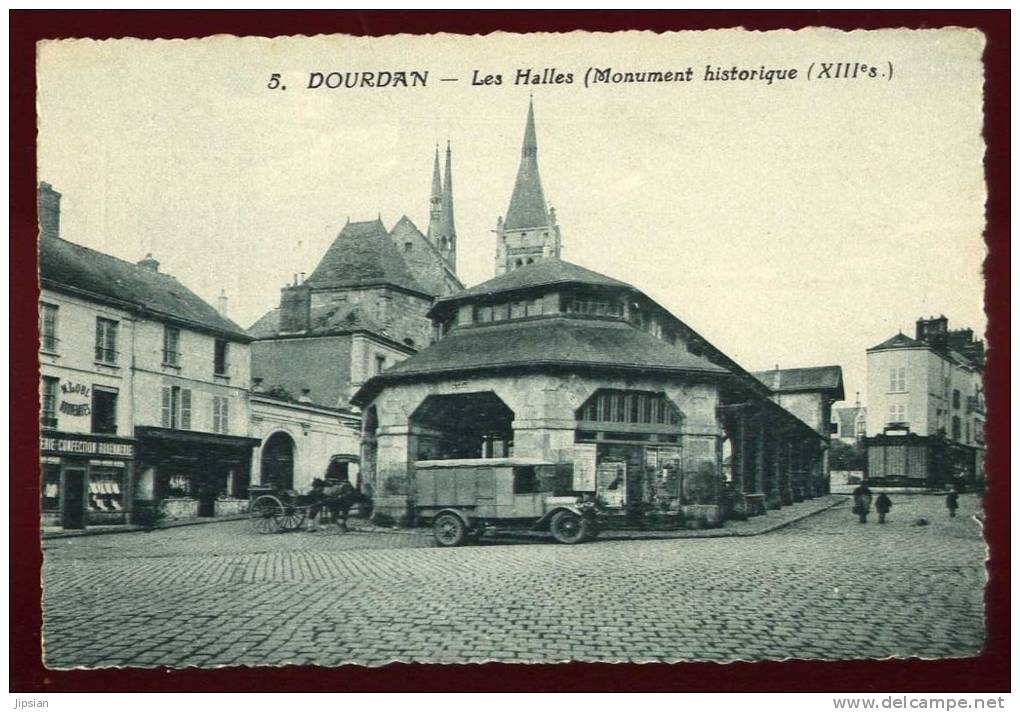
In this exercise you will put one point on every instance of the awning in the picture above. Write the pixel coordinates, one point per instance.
(168, 436)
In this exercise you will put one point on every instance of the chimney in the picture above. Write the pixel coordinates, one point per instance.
(256, 385)
(150, 263)
(48, 204)
(295, 309)
(305, 396)
(221, 303)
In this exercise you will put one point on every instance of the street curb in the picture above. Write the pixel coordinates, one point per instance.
(722, 533)
(133, 528)
(637, 536)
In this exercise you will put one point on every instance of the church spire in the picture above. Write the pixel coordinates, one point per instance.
(449, 230)
(529, 232)
(436, 202)
(527, 204)
(529, 149)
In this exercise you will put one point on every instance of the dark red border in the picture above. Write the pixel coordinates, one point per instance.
(990, 672)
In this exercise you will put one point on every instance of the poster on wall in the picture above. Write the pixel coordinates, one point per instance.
(584, 468)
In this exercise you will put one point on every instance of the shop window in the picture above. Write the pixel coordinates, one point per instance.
(106, 340)
(220, 365)
(171, 346)
(48, 410)
(106, 489)
(175, 408)
(48, 327)
(178, 484)
(221, 414)
(104, 410)
(51, 487)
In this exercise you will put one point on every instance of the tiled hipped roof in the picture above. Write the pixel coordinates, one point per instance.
(548, 342)
(549, 271)
(362, 255)
(324, 321)
(65, 264)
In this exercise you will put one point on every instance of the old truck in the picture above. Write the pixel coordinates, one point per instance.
(461, 498)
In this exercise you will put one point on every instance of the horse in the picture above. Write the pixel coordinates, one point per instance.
(338, 499)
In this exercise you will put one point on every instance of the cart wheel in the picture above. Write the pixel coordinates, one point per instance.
(569, 528)
(264, 515)
(449, 530)
(292, 518)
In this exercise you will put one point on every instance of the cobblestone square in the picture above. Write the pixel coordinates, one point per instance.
(824, 587)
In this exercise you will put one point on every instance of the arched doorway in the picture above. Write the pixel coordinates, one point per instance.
(278, 462)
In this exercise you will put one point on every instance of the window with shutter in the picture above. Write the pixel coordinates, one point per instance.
(166, 409)
(216, 414)
(185, 409)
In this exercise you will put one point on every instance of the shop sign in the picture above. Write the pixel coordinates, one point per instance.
(74, 446)
(75, 389)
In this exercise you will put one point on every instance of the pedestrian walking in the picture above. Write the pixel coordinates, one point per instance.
(952, 501)
(882, 505)
(862, 502)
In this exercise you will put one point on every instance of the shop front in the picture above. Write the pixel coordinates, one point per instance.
(86, 479)
(186, 474)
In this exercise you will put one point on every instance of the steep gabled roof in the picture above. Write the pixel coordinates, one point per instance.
(899, 341)
(792, 380)
(405, 230)
(362, 255)
(64, 264)
(545, 343)
(548, 271)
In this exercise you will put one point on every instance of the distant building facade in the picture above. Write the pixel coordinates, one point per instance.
(926, 406)
(808, 393)
(144, 393)
(850, 423)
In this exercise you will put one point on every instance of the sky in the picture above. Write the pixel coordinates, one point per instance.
(795, 223)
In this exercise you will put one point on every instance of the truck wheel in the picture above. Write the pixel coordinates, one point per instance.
(449, 530)
(568, 528)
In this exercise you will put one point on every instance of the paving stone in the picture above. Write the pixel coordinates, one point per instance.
(218, 594)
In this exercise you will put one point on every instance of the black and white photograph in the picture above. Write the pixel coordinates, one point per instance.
(520, 348)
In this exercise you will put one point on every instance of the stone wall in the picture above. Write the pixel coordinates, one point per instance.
(544, 422)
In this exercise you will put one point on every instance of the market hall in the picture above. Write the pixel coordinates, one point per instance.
(559, 364)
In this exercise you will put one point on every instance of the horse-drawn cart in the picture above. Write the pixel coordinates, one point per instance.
(273, 511)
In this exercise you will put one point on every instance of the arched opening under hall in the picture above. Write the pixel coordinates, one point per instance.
(277, 470)
(634, 439)
(461, 426)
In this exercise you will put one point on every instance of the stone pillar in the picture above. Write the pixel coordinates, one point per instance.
(793, 492)
(759, 458)
(394, 488)
(773, 494)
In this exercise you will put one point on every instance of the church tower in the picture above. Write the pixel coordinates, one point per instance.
(529, 232)
(442, 232)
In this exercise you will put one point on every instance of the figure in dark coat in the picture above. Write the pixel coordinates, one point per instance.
(862, 502)
(952, 501)
(315, 500)
(882, 505)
